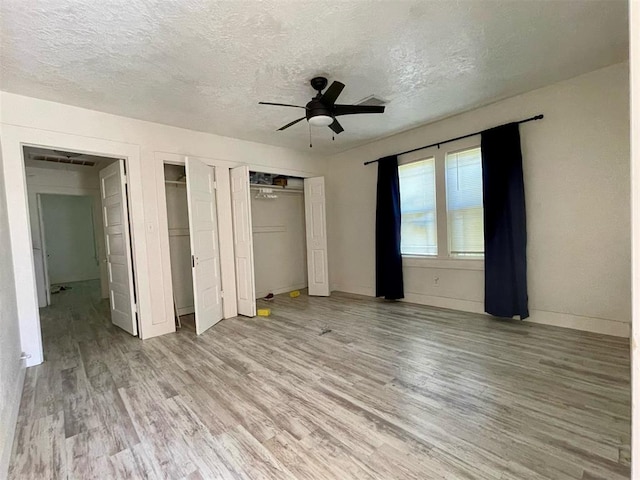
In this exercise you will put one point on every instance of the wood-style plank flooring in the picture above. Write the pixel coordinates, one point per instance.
(394, 391)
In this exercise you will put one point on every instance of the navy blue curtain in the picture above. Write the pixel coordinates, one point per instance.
(389, 282)
(505, 228)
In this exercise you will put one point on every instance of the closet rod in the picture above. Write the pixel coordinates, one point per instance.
(278, 191)
(175, 182)
(437, 144)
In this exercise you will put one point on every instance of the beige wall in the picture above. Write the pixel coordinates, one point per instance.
(279, 243)
(576, 168)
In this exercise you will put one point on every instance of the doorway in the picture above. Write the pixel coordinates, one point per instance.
(81, 243)
(194, 244)
(279, 234)
(68, 241)
(287, 221)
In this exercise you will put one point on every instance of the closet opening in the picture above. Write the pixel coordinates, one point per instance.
(175, 180)
(194, 245)
(279, 234)
(289, 239)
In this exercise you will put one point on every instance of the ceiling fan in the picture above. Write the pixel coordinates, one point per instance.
(322, 110)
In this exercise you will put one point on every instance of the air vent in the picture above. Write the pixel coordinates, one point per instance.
(372, 101)
(70, 161)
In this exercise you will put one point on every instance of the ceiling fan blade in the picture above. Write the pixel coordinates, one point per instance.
(292, 123)
(331, 94)
(336, 127)
(356, 109)
(280, 104)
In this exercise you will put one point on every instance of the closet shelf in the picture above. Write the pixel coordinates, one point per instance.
(255, 186)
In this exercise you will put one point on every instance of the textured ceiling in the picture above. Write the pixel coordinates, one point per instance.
(204, 65)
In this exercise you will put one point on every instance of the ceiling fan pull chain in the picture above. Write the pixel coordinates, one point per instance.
(310, 144)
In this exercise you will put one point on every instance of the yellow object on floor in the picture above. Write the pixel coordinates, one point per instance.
(294, 294)
(264, 312)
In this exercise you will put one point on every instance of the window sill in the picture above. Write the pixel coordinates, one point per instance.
(416, 261)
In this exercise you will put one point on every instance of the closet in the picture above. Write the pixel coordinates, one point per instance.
(235, 236)
(194, 243)
(179, 246)
(279, 234)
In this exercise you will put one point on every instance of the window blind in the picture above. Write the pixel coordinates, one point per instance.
(418, 208)
(464, 203)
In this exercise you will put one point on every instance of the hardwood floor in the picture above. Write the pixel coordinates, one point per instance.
(393, 391)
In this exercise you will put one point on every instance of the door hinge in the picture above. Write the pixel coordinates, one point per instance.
(221, 294)
(193, 261)
(215, 185)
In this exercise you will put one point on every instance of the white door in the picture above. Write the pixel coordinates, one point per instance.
(203, 237)
(316, 223)
(115, 218)
(243, 240)
(44, 255)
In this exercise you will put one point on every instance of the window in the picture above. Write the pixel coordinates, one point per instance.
(441, 202)
(418, 208)
(464, 203)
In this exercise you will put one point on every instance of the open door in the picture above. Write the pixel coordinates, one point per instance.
(316, 223)
(45, 256)
(243, 240)
(115, 217)
(203, 237)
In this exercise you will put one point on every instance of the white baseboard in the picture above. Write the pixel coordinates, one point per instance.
(9, 428)
(603, 326)
(278, 291)
(444, 302)
(360, 290)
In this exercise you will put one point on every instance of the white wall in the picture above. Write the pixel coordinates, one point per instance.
(279, 243)
(576, 169)
(146, 146)
(72, 254)
(11, 367)
(66, 182)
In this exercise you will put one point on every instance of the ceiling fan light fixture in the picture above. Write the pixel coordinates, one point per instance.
(321, 121)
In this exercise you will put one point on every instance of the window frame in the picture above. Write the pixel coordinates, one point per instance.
(443, 259)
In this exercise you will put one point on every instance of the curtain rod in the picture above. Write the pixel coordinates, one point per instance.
(530, 119)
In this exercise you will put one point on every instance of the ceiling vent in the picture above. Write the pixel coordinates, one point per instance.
(372, 101)
(67, 160)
